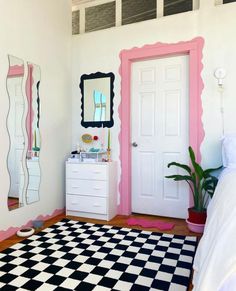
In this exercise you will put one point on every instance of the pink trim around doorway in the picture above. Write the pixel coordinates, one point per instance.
(192, 48)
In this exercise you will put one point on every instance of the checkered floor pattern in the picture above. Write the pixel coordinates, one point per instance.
(72, 255)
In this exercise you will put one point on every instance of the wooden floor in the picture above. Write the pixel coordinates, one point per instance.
(120, 221)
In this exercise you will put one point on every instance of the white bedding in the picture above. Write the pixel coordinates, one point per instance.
(215, 260)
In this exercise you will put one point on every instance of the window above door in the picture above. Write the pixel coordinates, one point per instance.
(92, 15)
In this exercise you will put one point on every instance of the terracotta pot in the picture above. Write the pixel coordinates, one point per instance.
(196, 217)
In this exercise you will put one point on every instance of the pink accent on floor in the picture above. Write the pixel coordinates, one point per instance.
(150, 223)
(192, 48)
(4, 234)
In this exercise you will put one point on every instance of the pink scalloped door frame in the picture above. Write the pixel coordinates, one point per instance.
(4, 234)
(193, 48)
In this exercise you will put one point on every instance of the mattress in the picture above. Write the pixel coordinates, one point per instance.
(215, 260)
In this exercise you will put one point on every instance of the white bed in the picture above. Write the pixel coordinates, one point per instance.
(215, 260)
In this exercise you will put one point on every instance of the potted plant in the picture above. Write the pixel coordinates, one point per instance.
(202, 185)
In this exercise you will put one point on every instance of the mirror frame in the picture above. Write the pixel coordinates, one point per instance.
(98, 75)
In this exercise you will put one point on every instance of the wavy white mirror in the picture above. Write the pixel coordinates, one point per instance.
(15, 123)
(23, 128)
(34, 139)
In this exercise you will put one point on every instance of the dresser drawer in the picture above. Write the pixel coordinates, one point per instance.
(86, 171)
(86, 204)
(85, 187)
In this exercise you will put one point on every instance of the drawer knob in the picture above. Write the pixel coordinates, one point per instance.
(96, 172)
(75, 171)
(74, 203)
(96, 205)
(96, 188)
(75, 187)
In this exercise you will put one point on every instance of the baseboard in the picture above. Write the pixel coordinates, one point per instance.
(4, 234)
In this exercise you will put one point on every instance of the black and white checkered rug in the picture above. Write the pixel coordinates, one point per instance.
(72, 255)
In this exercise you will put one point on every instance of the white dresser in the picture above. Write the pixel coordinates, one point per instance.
(91, 190)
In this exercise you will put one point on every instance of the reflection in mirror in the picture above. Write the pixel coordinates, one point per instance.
(100, 106)
(34, 140)
(96, 92)
(15, 129)
(97, 99)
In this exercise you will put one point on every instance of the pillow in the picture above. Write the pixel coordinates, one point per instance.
(229, 151)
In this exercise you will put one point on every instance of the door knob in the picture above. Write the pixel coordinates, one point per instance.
(134, 144)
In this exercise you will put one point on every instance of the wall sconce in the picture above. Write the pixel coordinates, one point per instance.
(220, 74)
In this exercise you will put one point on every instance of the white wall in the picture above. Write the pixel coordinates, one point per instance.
(38, 31)
(99, 51)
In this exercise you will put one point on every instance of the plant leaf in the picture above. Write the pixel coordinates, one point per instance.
(180, 177)
(191, 154)
(183, 166)
(210, 184)
(201, 183)
(208, 171)
(198, 169)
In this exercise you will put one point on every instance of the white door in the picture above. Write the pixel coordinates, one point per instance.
(160, 135)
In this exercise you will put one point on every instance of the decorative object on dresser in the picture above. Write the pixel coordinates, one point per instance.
(91, 190)
(202, 185)
(92, 157)
(87, 138)
(109, 146)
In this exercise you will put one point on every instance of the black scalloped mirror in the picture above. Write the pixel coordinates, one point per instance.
(97, 99)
